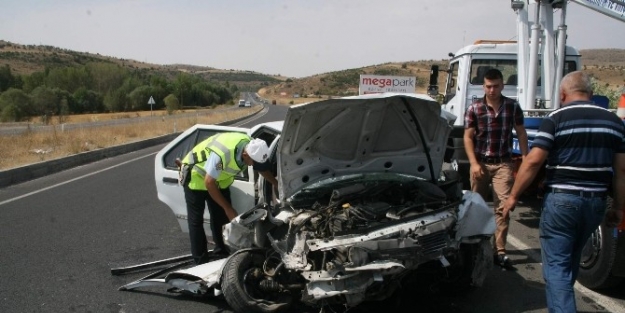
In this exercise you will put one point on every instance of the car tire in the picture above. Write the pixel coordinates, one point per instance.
(598, 257)
(241, 290)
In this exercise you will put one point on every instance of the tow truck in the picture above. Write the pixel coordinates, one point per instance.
(533, 67)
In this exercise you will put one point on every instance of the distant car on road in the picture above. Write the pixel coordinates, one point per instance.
(242, 103)
(248, 104)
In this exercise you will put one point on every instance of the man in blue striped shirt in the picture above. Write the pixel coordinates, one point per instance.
(584, 149)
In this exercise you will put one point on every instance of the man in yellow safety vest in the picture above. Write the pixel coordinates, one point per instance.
(206, 173)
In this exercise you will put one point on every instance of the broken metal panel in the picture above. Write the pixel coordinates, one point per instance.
(355, 283)
(320, 275)
(474, 217)
(416, 227)
(158, 282)
(378, 265)
(197, 279)
(209, 273)
(143, 266)
(236, 236)
(296, 258)
(196, 287)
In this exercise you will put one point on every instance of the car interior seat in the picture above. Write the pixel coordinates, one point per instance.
(479, 78)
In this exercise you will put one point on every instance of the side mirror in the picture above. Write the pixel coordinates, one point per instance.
(434, 75)
(452, 82)
(433, 86)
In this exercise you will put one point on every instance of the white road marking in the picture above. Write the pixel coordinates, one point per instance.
(608, 303)
(74, 179)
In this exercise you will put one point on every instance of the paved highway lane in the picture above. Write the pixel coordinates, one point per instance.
(60, 236)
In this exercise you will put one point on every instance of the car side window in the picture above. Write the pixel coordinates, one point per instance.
(184, 146)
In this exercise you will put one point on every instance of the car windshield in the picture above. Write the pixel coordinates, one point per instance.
(508, 68)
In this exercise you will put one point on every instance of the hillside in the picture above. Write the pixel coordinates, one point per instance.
(345, 82)
(606, 65)
(27, 59)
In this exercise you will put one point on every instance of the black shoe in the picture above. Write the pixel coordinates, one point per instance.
(505, 262)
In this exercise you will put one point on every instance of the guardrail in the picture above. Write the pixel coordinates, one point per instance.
(11, 129)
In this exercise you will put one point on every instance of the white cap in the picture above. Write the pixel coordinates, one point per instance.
(257, 150)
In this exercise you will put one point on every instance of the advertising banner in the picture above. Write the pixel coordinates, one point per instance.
(380, 83)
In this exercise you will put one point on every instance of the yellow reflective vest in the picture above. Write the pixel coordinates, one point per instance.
(225, 146)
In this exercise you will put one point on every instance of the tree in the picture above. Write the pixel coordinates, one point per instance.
(44, 102)
(106, 77)
(182, 88)
(64, 96)
(7, 80)
(603, 90)
(171, 103)
(115, 101)
(69, 78)
(139, 97)
(86, 101)
(63, 111)
(15, 105)
(33, 81)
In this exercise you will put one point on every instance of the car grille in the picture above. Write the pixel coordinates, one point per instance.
(432, 244)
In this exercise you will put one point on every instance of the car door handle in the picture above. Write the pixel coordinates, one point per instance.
(170, 180)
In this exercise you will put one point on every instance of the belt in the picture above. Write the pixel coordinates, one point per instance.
(581, 193)
(494, 160)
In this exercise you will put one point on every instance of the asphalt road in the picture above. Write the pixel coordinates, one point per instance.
(60, 236)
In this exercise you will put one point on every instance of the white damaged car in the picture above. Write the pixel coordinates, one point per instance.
(363, 206)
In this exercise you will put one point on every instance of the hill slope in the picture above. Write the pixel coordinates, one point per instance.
(606, 65)
(27, 59)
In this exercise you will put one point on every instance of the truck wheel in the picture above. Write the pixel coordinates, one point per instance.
(242, 275)
(598, 256)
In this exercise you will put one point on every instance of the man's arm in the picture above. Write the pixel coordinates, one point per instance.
(269, 177)
(614, 216)
(469, 145)
(526, 174)
(213, 191)
(469, 148)
(521, 135)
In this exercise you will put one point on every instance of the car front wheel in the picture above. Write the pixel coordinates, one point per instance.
(246, 288)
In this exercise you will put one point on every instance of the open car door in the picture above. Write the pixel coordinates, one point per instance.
(166, 174)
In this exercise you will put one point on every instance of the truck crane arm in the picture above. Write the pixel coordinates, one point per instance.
(611, 8)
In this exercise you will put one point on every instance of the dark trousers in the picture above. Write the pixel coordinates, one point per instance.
(196, 201)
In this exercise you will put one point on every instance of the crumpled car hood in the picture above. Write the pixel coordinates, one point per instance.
(386, 132)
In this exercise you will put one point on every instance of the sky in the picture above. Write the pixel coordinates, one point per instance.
(295, 38)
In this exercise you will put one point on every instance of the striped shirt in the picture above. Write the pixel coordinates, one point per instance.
(493, 130)
(582, 139)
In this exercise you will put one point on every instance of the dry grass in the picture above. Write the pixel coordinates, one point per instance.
(33, 147)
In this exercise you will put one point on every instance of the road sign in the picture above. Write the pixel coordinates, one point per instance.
(151, 102)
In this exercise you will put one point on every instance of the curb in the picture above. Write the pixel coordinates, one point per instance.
(28, 172)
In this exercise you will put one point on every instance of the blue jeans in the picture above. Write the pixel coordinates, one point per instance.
(566, 223)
